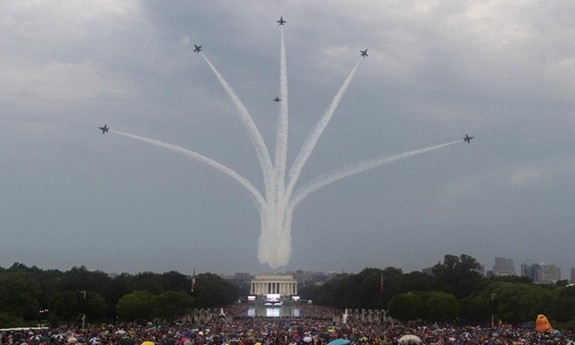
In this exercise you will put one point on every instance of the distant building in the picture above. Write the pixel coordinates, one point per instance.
(549, 272)
(572, 280)
(282, 284)
(541, 272)
(503, 267)
(428, 271)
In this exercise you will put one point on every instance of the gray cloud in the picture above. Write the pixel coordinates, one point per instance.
(500, 71)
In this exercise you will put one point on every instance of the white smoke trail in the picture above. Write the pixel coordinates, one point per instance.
(274, 244)
(282, 126)
(258, 198)
(254, 133)
(352, 169)
(276, 208)
(313, 138)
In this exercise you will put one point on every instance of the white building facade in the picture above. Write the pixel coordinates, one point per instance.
(282, 284)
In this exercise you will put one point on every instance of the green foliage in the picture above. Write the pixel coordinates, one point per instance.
(331, 294)
(137, 305)
(520, 302)
(20, 294)
(212, 291)
(417, 281)
(174, 281)
(66, 305)
(455, 291)
(406, 306)
(147, 281)
(9, 320)
(441, 306)
(172, 304)
(458, 275)
(475, 309)
(29, 295)
(417, 295)
(96, 306)
(362, 290)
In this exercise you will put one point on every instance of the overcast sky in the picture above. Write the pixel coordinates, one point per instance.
(502, 71)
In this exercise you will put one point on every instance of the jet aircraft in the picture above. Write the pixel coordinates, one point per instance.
(104, 129)
(281, 21)
(467, 139)
(277, 99)
(363, 53)
(197, 48)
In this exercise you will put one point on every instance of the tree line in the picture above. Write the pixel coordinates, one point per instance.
(454, 291)
(30, 296)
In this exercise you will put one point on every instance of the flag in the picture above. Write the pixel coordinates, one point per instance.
(193, 287)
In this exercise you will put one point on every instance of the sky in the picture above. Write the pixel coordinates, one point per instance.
(501, 71)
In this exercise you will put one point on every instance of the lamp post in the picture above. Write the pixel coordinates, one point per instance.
(83, 309)
(492, 307)
(43, 314)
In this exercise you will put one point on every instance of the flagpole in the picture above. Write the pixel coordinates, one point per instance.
(193, 287)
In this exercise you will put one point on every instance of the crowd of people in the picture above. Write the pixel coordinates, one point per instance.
(316, 327)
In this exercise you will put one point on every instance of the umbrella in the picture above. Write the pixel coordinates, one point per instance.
(307, 339)
(338, 342)
(410, 339)
(148, 343)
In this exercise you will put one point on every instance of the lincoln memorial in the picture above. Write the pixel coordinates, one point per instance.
(282, 284)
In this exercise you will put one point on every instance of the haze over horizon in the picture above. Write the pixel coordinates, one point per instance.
(501, 72)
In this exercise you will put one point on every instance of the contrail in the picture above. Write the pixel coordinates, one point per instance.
(314, 136)
(254, 133)
(259, 200)
(355, 168)
(274, 244)
(277, 203)
(282, 126)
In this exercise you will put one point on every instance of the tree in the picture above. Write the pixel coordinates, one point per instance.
(80, 279)
(212, 291)
(520, 302)
(175, 281)
(115, 290)
(458, 275)
(441, 306)
(137, 305)
(96, 306)
(474, 309)
(66, 305)
(417, 281)
(406, 306)
(20, 294)
(172, 304)
(148, 281)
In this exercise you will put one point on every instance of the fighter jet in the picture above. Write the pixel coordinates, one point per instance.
(467, 139)
(104, 129)
(197, 48)
(363, 53)
(277, 99)
(281, 21)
